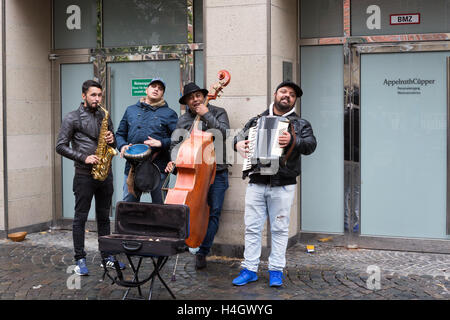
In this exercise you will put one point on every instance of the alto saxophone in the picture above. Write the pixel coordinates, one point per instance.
(104, 152)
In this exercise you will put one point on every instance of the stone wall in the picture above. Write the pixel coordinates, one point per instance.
(29, 126)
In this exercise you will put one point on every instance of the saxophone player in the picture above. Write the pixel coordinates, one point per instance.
(78, 139)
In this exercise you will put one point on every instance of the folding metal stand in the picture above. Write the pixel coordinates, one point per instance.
(158, 264)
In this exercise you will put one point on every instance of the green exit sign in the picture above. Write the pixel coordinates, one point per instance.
(138, 87)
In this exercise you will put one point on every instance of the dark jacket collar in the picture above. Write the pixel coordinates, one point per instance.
(145, 105)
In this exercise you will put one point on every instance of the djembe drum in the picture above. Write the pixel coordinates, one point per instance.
(144, 175)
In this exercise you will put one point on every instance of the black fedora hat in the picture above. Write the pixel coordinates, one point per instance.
(190, 88)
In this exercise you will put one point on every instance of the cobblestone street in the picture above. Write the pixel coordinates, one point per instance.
(40, 268)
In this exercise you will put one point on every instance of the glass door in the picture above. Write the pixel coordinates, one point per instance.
(123, 88)
(70, 75)
(322, 172)
(404, 141)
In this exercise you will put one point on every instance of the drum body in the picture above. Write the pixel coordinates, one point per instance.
(146, 176)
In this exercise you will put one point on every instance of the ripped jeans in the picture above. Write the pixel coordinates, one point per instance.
(262, 201)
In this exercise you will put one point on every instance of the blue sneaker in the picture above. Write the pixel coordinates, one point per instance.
(245, 276)
(275, 278)
(81, 268)
(110, 263)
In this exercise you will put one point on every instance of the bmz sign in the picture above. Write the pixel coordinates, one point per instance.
(374, 19)
(413, 18)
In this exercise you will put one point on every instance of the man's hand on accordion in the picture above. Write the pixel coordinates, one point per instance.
(284, 139)
(242, 147)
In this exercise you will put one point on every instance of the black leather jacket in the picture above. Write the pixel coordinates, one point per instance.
(214, 121)
(305, 143)
(76, 140)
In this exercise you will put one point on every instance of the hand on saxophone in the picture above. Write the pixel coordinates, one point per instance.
(109, 137)
(92, 159)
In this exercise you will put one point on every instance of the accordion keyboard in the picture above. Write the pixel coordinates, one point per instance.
(252, 134)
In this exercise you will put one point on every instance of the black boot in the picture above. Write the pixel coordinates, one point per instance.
(200, 261)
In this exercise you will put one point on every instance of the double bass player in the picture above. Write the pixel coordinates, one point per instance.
(214, 119)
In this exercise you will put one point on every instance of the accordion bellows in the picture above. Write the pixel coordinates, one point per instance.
(263, 138)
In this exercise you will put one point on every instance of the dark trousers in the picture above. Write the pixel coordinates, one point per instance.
(216, 195)
(85, 188)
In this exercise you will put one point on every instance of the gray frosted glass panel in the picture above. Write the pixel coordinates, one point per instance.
(199, 68)
(434, 16)
(321, 18)
(72, 77)
(403, 144)
(75, 24)
(121, 76)
(144, 23)
(323, 171)
(198, 21)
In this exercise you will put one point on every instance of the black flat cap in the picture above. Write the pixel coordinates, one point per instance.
(291, 84)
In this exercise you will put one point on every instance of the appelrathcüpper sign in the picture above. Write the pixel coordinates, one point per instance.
(138, 87)
(409, 86)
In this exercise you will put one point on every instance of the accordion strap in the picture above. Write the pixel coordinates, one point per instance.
(291, 148)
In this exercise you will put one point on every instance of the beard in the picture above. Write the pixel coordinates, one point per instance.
(90, 107)
(283, 105)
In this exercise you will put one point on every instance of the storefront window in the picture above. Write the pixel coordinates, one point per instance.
(198, 20)
(321, 18)
(386, 17)
(75, 24)
(144, 22)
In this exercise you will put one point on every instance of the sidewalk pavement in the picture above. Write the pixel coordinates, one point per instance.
(40, 268)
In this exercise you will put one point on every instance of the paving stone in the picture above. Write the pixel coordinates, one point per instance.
(41, 262)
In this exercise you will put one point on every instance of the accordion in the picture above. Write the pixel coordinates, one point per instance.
(263, 143)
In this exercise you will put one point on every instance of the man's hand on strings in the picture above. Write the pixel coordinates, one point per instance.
(169, 167)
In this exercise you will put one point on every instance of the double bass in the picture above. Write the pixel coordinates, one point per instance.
(196, 169)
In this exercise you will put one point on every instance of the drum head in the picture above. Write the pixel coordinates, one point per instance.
(137, 152)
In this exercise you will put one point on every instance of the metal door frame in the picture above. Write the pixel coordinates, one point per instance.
(99, 60)
(77, 57)
(353, 47)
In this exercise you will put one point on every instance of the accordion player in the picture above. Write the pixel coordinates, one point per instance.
(264, 150)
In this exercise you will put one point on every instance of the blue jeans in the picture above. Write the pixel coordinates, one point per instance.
(216, 195)
(156, 194)
(262, 201)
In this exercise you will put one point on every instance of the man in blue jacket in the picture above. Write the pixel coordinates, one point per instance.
(150, 121)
